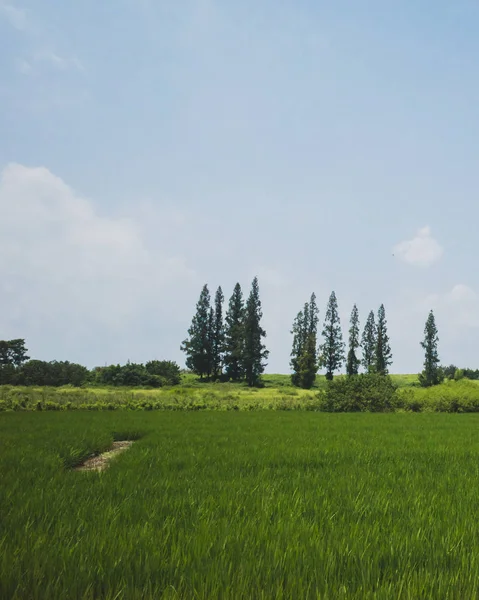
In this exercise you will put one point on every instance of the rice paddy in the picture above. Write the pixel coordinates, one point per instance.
(226, 504)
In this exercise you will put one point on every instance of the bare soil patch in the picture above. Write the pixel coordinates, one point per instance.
(100, 462)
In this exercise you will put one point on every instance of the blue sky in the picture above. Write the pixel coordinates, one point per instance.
(148, 147)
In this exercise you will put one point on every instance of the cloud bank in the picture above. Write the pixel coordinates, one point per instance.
(70, 274)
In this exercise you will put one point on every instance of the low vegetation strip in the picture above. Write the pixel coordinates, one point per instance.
(360, 393)
(240, 505)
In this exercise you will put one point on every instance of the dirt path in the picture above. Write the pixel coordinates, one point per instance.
(101, 462)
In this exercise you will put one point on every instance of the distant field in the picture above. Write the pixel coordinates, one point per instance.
(280, 380)
(240, 505)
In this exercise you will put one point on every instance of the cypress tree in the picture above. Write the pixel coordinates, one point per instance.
(383, 349)
(299, 331)
(304, 357)
(234, 335)
(369, 344)
(353, 362)
(198, 345)
(313, 315)
(211, 333)
(432, 373)
(218, 334)
(308, 363)
(332, 349)
(254, 349)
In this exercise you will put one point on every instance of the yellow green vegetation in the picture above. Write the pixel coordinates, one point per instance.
(278, 394)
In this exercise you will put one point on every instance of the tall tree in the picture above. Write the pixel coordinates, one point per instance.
(303, 355)
(332, 349)
(353, 362)
(432, 373)
(308, 363)
(198, 345)
(383, 349)
(234, 335)
(254, 349)
(211, 341)
(299, 331)
(13, 352)
(218, 337)
(313, 315)
(369, 344)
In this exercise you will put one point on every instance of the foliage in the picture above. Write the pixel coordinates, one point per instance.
(470, 373)
(308, 364)
(304, 360)
(366, 392)
(154, 374)
(298, 332)
(234, 335)
(462, 396)
(432, 374)
(167, 369)
(369, 344)
(197, 346)
(352, 361)
(332, 349)
(55, 373)
(254, 352)
(218, 335)
(223, 397)
(451, 396)
(39, 372)
(383, 354)
(221, 505)
(449, 371)
(13, 353)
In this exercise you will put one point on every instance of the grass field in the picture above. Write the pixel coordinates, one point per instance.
(240, 505)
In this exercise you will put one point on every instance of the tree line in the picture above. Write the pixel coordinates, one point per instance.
(232, 349)
(229, 348)
(16, 368)
(307, 357)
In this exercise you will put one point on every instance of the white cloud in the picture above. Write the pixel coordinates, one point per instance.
(421, 251)
(68, 272)
(17, 17)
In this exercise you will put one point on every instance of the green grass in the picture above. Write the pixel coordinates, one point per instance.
(240, 505)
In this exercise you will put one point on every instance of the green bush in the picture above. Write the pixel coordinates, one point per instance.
(360, 393)
(167, 370)
(451, 396)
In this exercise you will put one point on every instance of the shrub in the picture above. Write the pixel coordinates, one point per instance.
(367, 392)
(154, 374)
(168, 370)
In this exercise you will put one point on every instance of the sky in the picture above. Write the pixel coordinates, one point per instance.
(148, 147)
